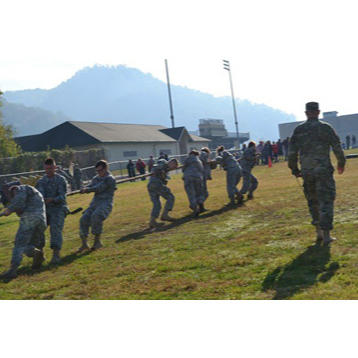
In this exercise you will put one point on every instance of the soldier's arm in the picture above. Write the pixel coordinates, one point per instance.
(293, 155)
(337, 149)
(18, 202)
(40, 187)
(102, 185)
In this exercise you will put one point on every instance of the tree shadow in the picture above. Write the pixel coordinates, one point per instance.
(185, 219)
(303, 272)
(65, 260)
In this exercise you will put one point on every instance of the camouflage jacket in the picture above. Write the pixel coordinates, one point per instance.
(193, 167)
(205, 159)
(103, 187)
(30, 202)
(54, 188)
(227, 160)
(159, 172)
(249, 158)
(312, 141)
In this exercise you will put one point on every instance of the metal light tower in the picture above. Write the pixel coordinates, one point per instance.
(170, 95)
(227, 67)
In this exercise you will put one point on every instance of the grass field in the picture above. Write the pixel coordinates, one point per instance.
(263, 249)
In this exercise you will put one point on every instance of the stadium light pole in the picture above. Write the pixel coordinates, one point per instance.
(170, 95)
(227, 68)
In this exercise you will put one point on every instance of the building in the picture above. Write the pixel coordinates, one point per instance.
(120, 141)
(343, 125)
(214, 129)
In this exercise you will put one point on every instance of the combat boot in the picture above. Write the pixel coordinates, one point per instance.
(231, 203)
(56, 259)
(165, 216)
(9, 274)
(37, 259)
(84, 246)
(239, 198)
(153, 223)
(97, 243)
(327, 239)
(202, 209)
(250, 196)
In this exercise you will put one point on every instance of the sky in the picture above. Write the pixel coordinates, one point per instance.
(282, 53)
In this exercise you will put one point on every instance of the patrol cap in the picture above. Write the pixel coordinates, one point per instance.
(312, 106)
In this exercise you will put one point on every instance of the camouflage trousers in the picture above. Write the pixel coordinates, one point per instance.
(250, 183)
(320, 192)
(194, 190)
(157, 190)
(56, 221)
(28, 237)
(233, 176)
(205, 189)
(93, 218)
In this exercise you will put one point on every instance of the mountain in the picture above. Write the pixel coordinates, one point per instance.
(127, 95)
(30, 120)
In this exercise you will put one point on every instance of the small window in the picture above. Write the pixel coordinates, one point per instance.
(133, 153)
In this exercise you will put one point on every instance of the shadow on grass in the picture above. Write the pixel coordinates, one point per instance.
(303, 272)
(66, 260)
(185, 219)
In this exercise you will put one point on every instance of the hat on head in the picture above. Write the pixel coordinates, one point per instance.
(312, 106)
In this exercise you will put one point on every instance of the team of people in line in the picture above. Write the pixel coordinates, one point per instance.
(46, 206)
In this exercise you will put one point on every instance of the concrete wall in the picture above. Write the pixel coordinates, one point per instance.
(342, 125)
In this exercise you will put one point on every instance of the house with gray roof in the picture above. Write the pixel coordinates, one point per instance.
(120, 141)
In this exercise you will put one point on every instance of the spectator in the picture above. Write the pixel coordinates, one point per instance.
(280, 149)
(285, 144)
(354, 141)
(161, 156)
(150, 163)
(141, 167)
(244, 147)
(348, 141)
(166, 157)
(259, 149)
(266, 152)
(130, 169)
(77, 177)
(274, 147)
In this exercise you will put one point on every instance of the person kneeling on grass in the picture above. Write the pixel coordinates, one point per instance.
(157, 187)
(29, 204)
(104, 186)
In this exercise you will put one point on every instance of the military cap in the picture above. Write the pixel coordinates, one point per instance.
(312, 106)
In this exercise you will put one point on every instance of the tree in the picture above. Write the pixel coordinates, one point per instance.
(8, 147)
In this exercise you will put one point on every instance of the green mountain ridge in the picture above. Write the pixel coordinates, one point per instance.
(127, 95)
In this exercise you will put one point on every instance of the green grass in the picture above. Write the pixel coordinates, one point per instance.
(261, 250)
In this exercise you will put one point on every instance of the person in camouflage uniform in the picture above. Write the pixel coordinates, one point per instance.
(247, 162)
(312, 141)
(205, 159)
(157, 187)
(29, 204)
(104, 186)
(77, 178)
(233, 173)
(53, 188)
(193, 181)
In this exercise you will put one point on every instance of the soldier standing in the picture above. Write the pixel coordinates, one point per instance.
(77, 177)
(29, 204)
(312, 140)
(193, 181)
(53, 188)
(247, 163)
(233, 173)
(104, 186)
(157, 187)
(205, 159)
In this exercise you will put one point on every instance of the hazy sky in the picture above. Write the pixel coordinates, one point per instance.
(282, 53)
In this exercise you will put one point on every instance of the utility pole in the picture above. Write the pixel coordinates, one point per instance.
(227, 67)
(170, 95)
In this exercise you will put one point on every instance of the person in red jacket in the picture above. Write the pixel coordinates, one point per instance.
(141, 167)
(274, 147)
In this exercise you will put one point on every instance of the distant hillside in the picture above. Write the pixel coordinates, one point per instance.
(30, 120)
(127, 95)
